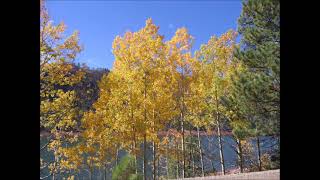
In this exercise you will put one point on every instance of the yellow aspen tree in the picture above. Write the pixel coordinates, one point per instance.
(134, 102)
(57, 108)
(56, 54)
(181, 64)
(100, 136)
(197, 108)
(217, 56)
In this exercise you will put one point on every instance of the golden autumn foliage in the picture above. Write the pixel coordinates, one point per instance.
(217, 67)
(161, 101)
(56, 52)
(152, 85)
(135, 98)
(57, 108)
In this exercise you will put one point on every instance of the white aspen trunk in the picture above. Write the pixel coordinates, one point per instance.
(200, 152)
(154, 159)
(183, 146)
(240, 155)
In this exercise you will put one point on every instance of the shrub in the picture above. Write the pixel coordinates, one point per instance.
(125, 170)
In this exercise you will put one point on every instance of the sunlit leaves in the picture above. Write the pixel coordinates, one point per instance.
(57, 99)
(217, 66)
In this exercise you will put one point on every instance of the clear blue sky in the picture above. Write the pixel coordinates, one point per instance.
(99, 22)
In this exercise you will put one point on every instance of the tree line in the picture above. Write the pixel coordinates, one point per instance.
(157, 87)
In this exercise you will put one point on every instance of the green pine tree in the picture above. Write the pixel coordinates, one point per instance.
(259, 26)
(256, 93)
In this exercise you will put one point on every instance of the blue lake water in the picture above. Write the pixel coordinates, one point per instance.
(210, 150)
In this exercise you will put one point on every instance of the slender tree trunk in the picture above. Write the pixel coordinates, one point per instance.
(178, 160)
(158, 168)
(221, 150)
(117, 156)
(259, 154)
(167, 160)
(154, 160)
(191, 162)
(135, 158)
(145, 157)
(240, 155)
(135, 153)
(219, 135)
(154, 147)
(134, 144)
(200, 152)
(145, 135)
(182, 125)
(183, 146)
